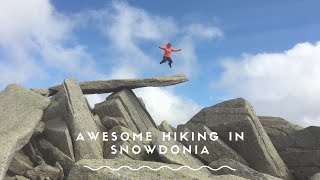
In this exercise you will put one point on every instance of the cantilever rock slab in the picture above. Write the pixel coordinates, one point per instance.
(99, 87)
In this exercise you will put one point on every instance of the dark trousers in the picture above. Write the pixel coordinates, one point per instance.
(165, 59)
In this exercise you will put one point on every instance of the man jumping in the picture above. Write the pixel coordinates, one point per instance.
(167, 51)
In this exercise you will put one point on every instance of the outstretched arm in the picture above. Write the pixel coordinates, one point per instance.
(176, 50)
(161, 47)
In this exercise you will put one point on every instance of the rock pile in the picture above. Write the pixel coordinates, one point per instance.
(62, 137)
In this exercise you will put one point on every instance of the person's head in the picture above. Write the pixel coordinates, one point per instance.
(168, 45)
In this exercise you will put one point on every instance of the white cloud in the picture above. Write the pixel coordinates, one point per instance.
(38, 41)
(200, 30)
(164, 104)
(128, 28)
(33, 42)
(279, 84)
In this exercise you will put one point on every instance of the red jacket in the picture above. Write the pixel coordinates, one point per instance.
(167, 51)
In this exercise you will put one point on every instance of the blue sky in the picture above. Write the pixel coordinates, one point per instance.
(250, 49)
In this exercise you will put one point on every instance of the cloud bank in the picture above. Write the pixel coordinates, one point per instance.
(279, 84)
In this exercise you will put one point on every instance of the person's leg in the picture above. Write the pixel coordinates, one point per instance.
(163, 60)
(170, 62)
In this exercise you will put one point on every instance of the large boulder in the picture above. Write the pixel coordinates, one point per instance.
(166, 127)
(275, 126)
(180, 158)
(217, 148)
(98, 87)
(126, 105)
(20, 164)
(57, 133)
(21, 111)
(237, 115)
(45, 171)
(315, 177)
(53, 155)
(81, 172)
(77, 115)
(110, 122)
(241, 170)
(301, 151)
(118, 130)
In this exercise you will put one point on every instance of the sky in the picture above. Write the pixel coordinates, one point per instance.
(267, 52)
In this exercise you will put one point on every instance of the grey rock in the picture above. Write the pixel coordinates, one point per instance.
(21, 110)
(39, 128)
(80, 120)
(143, 155)
(142, 102)
(44, 171)
(304, 172)
(9, 178)
(99, 87)
(57, 133)
(99, 124)
(307, 139)
(237, 115)
(53, 110)
(118, 156)
(300, 151)
(171, 158)
(30, 151)
(53, 155)
(300, 158)
(79, 172)
(217, 149)
(61, 174)
(241, 170)
(275, 126)
(21, 178)
(130, 143)
(315, 177)
(110, 122)
(115, 108)
(20, 164)
(166, 127)
(126, 105)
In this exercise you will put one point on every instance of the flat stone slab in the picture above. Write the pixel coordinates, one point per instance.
(21, 111)
(108, 86)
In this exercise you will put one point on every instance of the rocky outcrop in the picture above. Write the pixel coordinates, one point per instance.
(20, 164)
(217, 149)
(53, 155)
(21, 111)
(275, 126)
(166, 127)
(57, 133)
(80, 120)
(80, 172)
(180, 158)
(110, 122)
(39, 140)
(125, 105)
(129, 143)
(301, 151)
(99, 87)
(45, 171)
(315, 177)
(237, 115)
